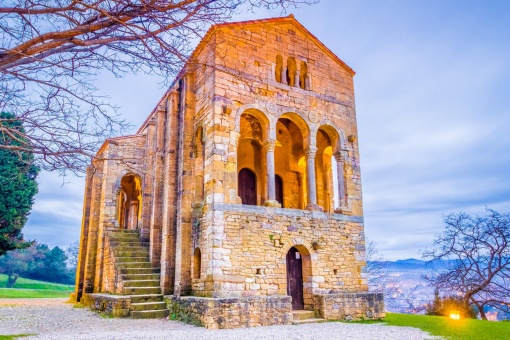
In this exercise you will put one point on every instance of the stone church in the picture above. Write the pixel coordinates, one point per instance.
(238, 201)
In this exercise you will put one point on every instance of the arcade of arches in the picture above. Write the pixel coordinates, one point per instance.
(292, 171)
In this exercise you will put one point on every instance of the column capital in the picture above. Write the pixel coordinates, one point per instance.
(311, 151)
(339, 156)
(269, 145)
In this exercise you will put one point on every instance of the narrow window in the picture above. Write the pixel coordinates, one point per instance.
(303, 75)
(279, 68)
(197, 263)
(291, 71)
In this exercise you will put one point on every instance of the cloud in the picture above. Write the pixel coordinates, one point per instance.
(432, 106)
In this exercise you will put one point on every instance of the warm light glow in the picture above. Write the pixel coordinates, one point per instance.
(455, 315)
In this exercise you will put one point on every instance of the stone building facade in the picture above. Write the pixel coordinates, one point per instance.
(244, 183)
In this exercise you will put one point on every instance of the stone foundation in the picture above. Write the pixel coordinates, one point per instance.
(350, 306)
(216, 313)
(114, 305)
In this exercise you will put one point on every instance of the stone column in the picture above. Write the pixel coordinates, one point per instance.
(271, 191)
(297, 78)
(133, 218)
(310, 176)
(341, 182)
(283, 76)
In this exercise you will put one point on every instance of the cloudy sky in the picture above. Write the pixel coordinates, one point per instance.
(433, 106)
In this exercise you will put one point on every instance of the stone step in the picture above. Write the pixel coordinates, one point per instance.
(124, 238)
(141, 283)
(130, 245)
(124, 259)
(149, 276)
(305, 321)
(149, 314)
(130, 253)
(141, 290)
(146, 298)
(303, 314)
(120, 230)
(123, 234)
(131, 265)
(159, 305)
(138, 271)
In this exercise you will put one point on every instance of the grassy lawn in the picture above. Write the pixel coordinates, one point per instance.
(452, 329)
(26, 288)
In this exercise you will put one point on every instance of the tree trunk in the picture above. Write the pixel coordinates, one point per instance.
(11, 280)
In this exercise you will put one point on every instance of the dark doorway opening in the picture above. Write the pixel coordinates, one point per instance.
(295, 278)
(247, 186)
(278, 189)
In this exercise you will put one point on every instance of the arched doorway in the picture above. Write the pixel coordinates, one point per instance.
(295, 278)
(129, 202)
(279, 189)
(247, 186)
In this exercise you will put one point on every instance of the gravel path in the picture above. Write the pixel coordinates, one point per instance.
(55, 319)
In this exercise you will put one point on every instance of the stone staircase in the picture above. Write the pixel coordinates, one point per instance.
(301, 317)
(141, 282)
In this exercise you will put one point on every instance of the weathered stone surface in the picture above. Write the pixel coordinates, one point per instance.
(263, 115)
(216, 313)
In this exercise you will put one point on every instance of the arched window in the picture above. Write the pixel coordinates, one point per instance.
(279, 68)
(291, 71)
(291, 133)
(197, 263)
(247, 186)
(303, 76)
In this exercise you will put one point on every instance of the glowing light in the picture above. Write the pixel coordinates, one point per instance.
(455, 315)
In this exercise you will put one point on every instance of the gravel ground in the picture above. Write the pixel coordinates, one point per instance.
(56, 319)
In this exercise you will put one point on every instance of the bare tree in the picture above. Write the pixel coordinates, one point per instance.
(473, 259)
(51, 51)
(397, 297)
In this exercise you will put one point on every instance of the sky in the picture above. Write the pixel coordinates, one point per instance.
(432, 90)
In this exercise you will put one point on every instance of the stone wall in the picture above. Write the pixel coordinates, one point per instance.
(217, 313)
(244, 251)
(350, 306)
(117, 306)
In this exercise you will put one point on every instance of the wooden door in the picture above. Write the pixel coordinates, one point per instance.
(295, 278)
(278, 189)
(247, 186)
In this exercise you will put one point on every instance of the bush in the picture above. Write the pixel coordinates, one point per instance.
(443, 306)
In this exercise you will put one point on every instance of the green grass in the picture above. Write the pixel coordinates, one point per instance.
(14, 336)
(26, 288)
(463, 329)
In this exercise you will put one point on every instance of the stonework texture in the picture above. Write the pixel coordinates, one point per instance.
(250, 157)
(222, 313)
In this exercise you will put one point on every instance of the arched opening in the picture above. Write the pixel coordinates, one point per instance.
(279, 190)
(129, 202)
(326, 140)
(247, 186)
(291, 132)
(303, 76)
(251, 156)
(279, 68)
(197, 263)
(198, 171)
(291, 71)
